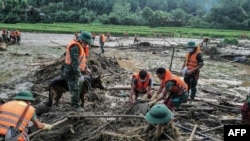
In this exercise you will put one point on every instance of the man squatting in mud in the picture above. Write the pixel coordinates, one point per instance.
(141, 84)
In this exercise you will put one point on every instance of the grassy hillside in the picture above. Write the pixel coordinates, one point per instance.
(119, 30)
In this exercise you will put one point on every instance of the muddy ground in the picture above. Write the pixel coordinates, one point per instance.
(223, 86)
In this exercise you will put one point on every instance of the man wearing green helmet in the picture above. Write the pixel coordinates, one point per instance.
(75, 65)
(18, 113)
(158, 115)
(191, 67)
(245, 111)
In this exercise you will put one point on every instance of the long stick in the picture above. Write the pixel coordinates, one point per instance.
(212, 129)
(172, 59)
(55, 124)
(104, 116)
(192, 134)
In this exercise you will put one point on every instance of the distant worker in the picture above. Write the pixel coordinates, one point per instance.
(173, 89)
(102, 41)
(136, 40)
(206, 40)
(108, 36)
(158, 116)
(93, 36)
(18, 37)
(5, 35)
(191, 67)
(245, 111)
(16, 114)
(141, 84)
(76, 35)
(13, 36)
(125, 34)
(75, 65)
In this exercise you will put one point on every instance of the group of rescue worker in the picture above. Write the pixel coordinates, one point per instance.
(172, 93)
(13, 36)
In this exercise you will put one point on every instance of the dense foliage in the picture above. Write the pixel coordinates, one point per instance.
(227, 14)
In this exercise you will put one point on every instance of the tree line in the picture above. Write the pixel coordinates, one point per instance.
(224, 14)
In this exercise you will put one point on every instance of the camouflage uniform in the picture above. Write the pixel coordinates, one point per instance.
(73, 82)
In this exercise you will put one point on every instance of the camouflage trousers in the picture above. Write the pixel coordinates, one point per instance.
(75, 90)
(191, 81)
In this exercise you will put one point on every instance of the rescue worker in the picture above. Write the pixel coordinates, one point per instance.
(5, 35)
(93, 36)
(245, 112)
(191, 67)
(13, 36)
(102, 41)
(205, 40)
(141, 84)
(18, 37)
(75, 65)
(159, 115)
(136, 40)
(76, 35)
(108, 36)
(172, 85)
(12, 111)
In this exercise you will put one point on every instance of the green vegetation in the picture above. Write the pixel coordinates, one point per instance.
(219, 14)
(120, 29)
(231, 41)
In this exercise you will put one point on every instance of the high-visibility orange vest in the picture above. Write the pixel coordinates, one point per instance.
(86, 50)
(82, 57)
(141, 85)
(11, 112)
(103, 38)
(13, 34)
(166, 78)
(180, 86)
(191, 61)
(18, 33)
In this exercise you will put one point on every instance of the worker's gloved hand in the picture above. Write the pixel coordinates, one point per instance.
(151, 103)
(153, 97)
(47, 126)
(81, 78)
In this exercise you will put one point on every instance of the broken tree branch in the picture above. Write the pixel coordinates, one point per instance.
(104, 116)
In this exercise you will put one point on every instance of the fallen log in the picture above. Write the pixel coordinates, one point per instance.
(207, 109)
(123, 88)
(229, 118)
(224, 107)
(20, 54)
(47, 63)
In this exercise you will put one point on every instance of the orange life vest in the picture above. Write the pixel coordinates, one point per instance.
(166, 78)
(141, 85)
(102, 38)
(82, 57)
(86, 50)
(13, 34)
(11, 112)
(18, 33)
(191, 61)
(180, 86)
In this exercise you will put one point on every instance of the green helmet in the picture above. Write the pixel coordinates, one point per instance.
(86, 36)
(159, 114)
(191, 44)
(24, 95)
